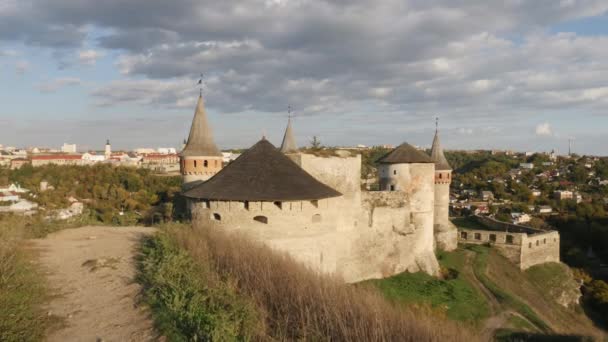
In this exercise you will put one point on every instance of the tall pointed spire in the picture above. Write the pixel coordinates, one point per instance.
(200, 141)
(437, 152)
(289, 142)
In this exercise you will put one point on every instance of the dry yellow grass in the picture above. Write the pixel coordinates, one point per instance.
(296, 303)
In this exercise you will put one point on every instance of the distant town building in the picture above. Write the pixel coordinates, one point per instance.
(526, 166)
(166, 150)
(487, 195)
(57, 159)
(536, 192)
(563, 195)
(17, 163)
(108, 149)
(68, 148)
(518, 218)
(544, 209)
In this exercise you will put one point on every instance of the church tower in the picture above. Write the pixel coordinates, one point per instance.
(289, 142)
(446, 234)
(108, 150)
(200, 159)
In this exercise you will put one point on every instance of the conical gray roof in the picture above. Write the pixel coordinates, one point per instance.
(262, 173)
(289, 142)
(200, 141)
(405, 154)
(437, 155)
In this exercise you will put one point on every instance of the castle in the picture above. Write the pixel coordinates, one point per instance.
(313, 208)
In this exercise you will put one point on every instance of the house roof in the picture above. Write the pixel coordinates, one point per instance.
(437, 155)
(200, 141)
(405, 153)
(262, 173)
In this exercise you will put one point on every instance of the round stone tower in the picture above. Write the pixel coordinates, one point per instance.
(446, 234)
(200, 159)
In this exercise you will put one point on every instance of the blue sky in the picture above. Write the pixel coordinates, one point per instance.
(506, 75)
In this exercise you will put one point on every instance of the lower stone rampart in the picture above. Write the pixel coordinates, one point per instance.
(524, 246)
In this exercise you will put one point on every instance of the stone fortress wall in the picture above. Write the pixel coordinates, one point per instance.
(524, 246)
(357, 236)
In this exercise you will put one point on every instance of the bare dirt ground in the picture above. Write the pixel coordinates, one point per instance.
(91, 271)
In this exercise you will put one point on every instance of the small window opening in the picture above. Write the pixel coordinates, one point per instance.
(544, 241)
(217, 217)
(261, 219)
(463, 235)
(477, 236)
(448, 176)
(316, 218)
(206, 204)
(530, 245)
(394, 172)
(537, 242)
(278, 204)
(195, 163)
(440, 176)
(392, 188)
(493, 237)
(315, 203)
(246, 205)
(510, 239)
(205, 163)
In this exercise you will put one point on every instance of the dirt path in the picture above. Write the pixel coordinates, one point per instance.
(91, 270)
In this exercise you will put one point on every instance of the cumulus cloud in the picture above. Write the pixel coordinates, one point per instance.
(467, 60)
(56, 84)
(89, 57)
(544, 129)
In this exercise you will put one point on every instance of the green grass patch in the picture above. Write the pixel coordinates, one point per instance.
(22, 293)
(189, 301)
(479, 267)
(468, 223)
(453, 295)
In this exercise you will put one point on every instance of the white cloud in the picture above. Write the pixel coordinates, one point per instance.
(55, 85)
(89, 57)
(544, 129)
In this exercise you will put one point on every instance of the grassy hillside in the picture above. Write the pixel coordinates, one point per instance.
(454, 295)
(201, 285)
(485, 290)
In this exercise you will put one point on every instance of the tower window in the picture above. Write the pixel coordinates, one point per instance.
(509, 239)
(217, 217)
(392, 188)
(261, 219)
(315, 203)
(246, 205)
(493, 237)
(195, 163)
(205, 163)
(278, 204)
(394, 172)
(440, 176)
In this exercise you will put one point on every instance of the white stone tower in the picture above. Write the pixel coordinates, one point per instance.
(200, 159)
(446, 234)
(108, 150)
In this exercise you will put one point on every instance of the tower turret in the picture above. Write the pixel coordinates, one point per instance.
(289, 142)
(446, 234)
(200, 159)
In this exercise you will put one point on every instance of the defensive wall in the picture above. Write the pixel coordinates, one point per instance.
(524, 246)
(360, 235)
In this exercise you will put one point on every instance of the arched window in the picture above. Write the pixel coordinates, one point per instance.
(217, 217)
(316, 218)
(205, 163)
(261, 219)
